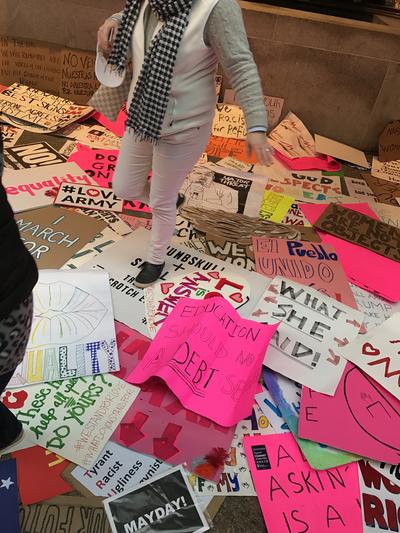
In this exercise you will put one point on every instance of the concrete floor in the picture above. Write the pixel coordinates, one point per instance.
(239, 515)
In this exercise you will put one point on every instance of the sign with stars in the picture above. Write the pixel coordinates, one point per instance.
(9, 501)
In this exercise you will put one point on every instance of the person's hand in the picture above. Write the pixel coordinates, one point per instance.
(257, 142)
(106, 36)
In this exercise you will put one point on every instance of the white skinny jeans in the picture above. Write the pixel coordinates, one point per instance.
(171, 160)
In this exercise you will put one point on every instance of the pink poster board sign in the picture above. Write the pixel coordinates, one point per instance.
(361, 418)
(157, 423)
(368, 268)
(296, 498)
(210, 357)
(117, 126)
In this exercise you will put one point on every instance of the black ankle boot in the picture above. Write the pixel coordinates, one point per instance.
(148, 275)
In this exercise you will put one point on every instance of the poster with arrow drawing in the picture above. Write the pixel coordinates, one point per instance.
(313, 327)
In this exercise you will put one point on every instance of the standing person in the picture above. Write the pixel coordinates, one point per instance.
(175, 47)
(18, 276)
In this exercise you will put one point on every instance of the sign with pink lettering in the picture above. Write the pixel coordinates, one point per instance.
(88, 197)
(157, 424)
(379, 355)
(312, 264)
(312, 328)
(209, 357)
(161, 298)
(37, 187)
(360, 418)
(294, 497)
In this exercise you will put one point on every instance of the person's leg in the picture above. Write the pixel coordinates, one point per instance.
(10, 427)
(134, 164)
(174, 158)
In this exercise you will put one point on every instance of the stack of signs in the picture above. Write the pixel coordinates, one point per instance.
(313, 327)
(162, 297)
(166, 503)
(73, 332)
(88, 197)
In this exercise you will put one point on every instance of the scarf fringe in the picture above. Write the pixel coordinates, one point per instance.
(142, 136)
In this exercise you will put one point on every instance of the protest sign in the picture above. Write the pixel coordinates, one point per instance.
(286, 394)
(390, 472)
(363, 410)
(157, 424)
(389, 142)
(98, 164)
(385, 191)
(166, 503)
(73, 332)
(268, 406)
(275, 206)
(273, 106)
(292, 139)
(60, 144)
(88, 196)
(124, 259)
(96, 137)
(73, 418)
(315, 265)
(114, 222)
(116, 126)
(376, 310)
(116, 470)
(9, 500)
(389, 170)
(72, 514)
(292, 494)
(312, 328)
(231, 162)
(379, 500)
(229, 122)
(378, 355)
(295, 217)
(38, 154)
(387, 213)
(358, 188)
(219, 384)
(161, 298)
(361, 229)
(39, 111)
(214, 187)
(53, 235)
(36, 464)
(220, 147)
(341, 151)
(236, 479)
(10, 135)
(366, 272)
(36, 187)
(97, 246)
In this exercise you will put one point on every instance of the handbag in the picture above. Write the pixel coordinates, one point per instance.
(108, 100)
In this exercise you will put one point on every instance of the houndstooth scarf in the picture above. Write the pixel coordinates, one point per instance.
(149, 103)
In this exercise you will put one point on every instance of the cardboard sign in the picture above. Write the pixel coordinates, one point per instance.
(219, 384)
(378, 355)
(61, 145)
(389, 170)
(379, 500)
(98, 164)
(73, 332)
(363, 410)
(124, 259)
(292, 494)
(341, 151)
(31, 188)
(273, 106)
(292, 139)
(100, 243)
(389, 142)
(166, 503)
(36, 464)
(9, 500)
(295, 217)
(366, 272)
(213, 187)
(157, 424)
(231, 162)
(229, 122)
(10, 135)
(118, 469)
(32, 155)
(96, 137)
(37, 110)
(315, 265)
(220, 147)
(90, 197)
(73, 418)
(161, 298)
(358, 188)
(287, 394)
(360, 229)
(69, 513)
(312, 328)
(275, 206)
(376, 310)
(53, 235)
(387, 213)
(114, 222)
(385, 191)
